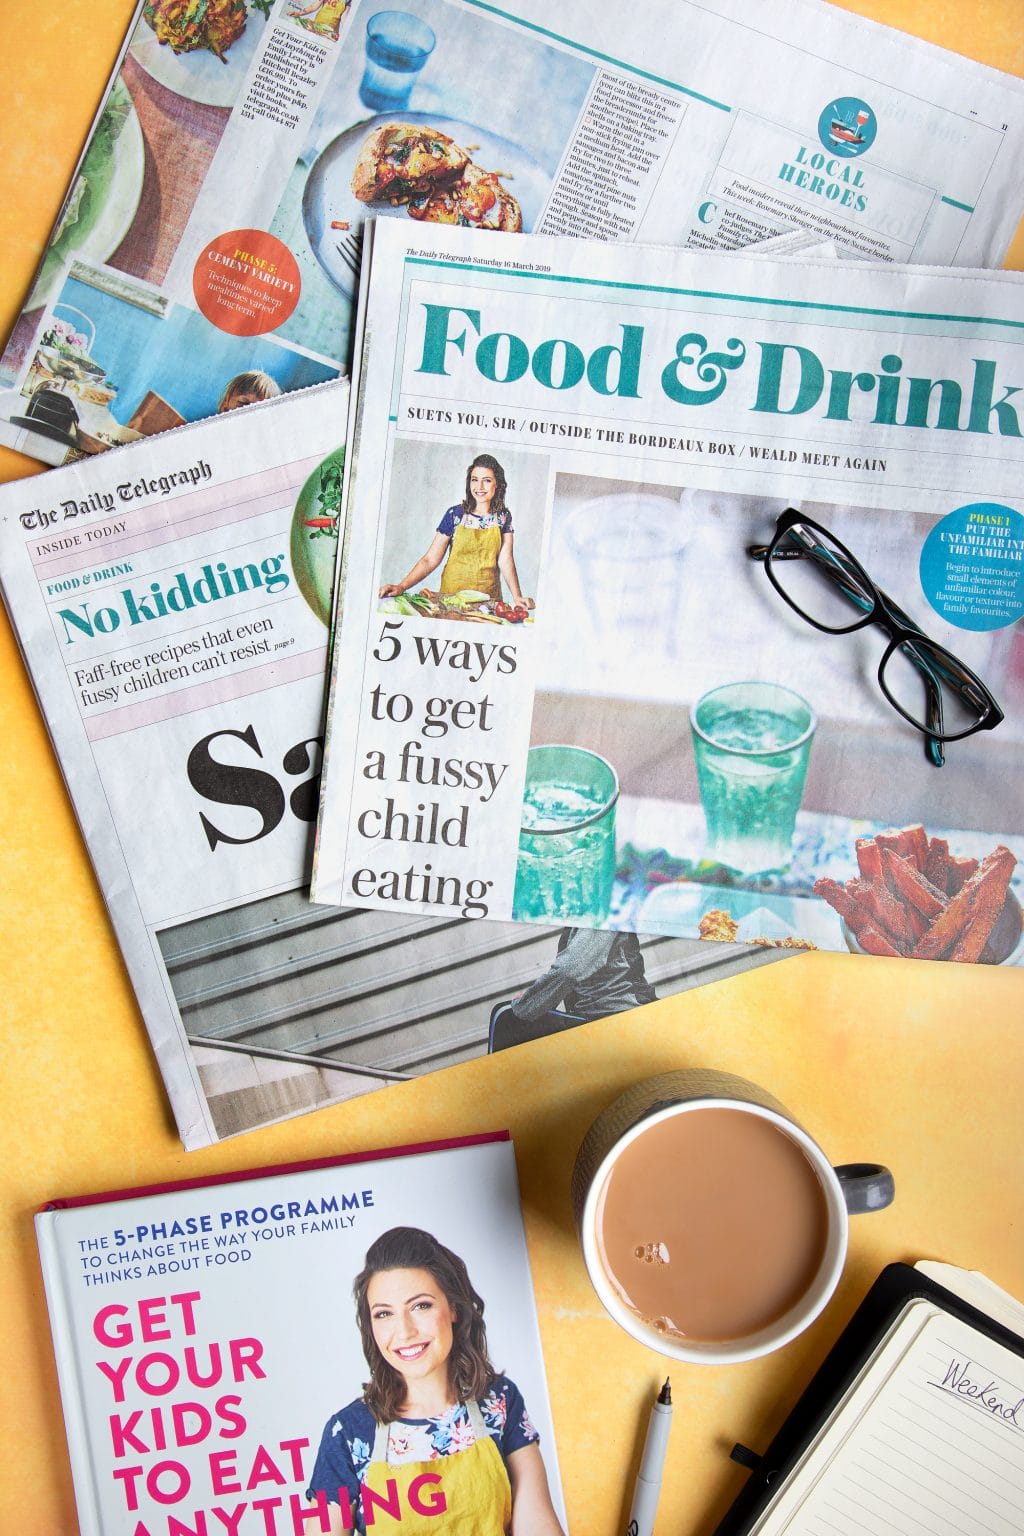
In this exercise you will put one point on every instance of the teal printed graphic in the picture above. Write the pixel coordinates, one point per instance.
(847, 126)
(972, 569)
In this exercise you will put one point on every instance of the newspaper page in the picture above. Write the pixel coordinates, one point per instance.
(172, 602)
(216, 210)
(683, 596)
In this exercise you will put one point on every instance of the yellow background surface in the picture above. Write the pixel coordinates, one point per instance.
(920, 1066)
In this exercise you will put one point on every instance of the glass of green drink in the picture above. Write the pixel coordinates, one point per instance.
(566, 864)
(752, 743)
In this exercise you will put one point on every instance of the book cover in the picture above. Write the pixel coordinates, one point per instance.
(333, 1347)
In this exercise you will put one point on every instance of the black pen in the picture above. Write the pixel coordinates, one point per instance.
(648, 1479)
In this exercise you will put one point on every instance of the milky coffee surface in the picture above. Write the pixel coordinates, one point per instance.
(712, 1224)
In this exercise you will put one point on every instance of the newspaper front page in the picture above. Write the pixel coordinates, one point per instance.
(172, 602)
(683, 596)
(217, 208)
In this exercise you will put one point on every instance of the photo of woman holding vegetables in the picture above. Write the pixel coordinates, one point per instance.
(475, 540)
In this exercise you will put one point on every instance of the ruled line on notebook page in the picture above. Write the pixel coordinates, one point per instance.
(929, 1442)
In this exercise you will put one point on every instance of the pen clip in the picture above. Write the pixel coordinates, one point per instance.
(745, 1456)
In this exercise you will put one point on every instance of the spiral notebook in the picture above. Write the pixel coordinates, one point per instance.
(913, 1427)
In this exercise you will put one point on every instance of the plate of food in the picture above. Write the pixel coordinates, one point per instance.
(436, 170)
(917, 898)
(104, 197)
(687, 909)
(200, 49)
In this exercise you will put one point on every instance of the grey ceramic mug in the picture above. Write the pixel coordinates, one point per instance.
(849, 1190)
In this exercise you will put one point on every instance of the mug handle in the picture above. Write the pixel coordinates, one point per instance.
(866, 1187)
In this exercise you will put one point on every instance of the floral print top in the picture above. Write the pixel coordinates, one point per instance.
(347, 1439)
(455, 515)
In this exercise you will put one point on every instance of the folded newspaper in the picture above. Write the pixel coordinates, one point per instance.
(217, 205)
(172, 599)
(683, 596)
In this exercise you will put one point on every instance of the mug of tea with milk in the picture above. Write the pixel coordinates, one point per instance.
(713, 1226)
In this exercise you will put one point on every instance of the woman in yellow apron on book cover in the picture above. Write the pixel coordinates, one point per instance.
(476, 535)
(439, 1443)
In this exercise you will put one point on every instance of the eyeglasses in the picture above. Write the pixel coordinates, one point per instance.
(829, 588)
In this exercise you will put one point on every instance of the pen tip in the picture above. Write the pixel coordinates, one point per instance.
(665, 1395)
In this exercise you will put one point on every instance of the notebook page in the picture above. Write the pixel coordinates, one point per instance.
(978, 1291)
(929, 1443)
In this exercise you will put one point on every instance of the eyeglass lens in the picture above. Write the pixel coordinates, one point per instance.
(820, 579)
(825, 584)
(903, 679)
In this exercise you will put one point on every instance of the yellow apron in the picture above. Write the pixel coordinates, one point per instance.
(471, 1496)
(473, 561)
(326, 21)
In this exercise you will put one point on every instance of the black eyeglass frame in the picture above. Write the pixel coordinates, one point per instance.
(900, 628)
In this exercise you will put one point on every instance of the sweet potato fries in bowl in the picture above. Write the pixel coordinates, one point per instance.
(914, 898)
